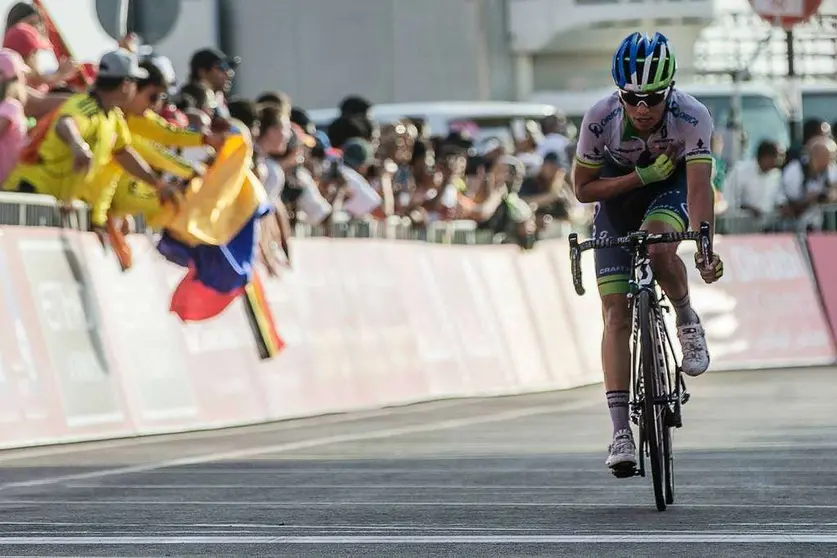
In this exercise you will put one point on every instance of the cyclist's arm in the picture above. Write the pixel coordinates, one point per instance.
(589, 187)
(700, 195)
(589, 159)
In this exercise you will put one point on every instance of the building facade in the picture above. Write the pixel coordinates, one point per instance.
(419, 50)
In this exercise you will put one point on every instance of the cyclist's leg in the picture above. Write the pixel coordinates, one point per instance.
(612, 273)
(667, 213)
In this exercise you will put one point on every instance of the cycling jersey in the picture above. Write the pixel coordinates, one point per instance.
(605, 130)
(608, 142)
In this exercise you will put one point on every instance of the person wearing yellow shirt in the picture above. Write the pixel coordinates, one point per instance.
(121, 193)
(83, 136)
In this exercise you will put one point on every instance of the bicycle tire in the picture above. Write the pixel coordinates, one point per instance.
(669, 412)
(668, 456)
(649, 364)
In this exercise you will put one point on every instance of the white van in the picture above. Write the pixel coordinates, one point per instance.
(496, 119)
(764, 113)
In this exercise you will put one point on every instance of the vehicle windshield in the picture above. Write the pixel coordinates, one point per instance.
(760, 116)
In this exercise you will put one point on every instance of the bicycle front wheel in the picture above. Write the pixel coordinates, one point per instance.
(653, 404)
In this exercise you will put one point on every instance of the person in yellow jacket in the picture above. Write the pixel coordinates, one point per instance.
(88, 132)
(122, 194)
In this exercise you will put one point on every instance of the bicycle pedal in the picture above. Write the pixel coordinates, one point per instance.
(673, 419)
(625, 472)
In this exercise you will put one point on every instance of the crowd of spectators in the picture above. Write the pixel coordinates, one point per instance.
(778, 191)
(355, 169)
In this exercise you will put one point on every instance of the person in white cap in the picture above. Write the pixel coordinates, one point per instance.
(86, 132)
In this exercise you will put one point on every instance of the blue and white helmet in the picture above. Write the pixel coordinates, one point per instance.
(644, 64)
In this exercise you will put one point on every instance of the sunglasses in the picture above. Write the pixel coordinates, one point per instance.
(156, 97)
(648, 99)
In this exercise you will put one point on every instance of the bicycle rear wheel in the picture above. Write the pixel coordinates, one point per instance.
(653, 407)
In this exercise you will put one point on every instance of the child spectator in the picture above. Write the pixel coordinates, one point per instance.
(13, 124)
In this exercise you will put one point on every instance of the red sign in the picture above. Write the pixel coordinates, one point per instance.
(786, 13)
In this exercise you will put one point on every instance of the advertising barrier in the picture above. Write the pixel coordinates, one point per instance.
(822, 248)
(765, 312)
(91, 352)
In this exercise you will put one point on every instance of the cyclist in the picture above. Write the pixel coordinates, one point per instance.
(644, 158)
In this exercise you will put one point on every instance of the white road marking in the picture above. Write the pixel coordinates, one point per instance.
(708, 537)
(606, 484)
(352, 469)
(17, 454)
(383, 504)
(305, 444)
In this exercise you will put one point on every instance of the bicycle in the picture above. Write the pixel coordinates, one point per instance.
(659, 391)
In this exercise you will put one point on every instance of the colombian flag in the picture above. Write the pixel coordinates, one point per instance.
(214, 234)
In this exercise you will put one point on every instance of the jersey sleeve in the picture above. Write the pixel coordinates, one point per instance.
(154, 127)
(123, 135)
(591, 142)
(698, 137)
(162, 159)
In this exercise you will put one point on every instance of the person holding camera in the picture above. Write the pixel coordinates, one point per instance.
(807, 183)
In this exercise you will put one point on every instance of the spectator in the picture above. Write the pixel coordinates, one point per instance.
(277, 99)
(272, 144)
(13, 126)
(151, 138)
(555, 140)
(545, 192)
(196, 96)
(360, 199)
(527, 148)
(755, 186)
(214, 71)
(451, 163)
(86, 133)
(354, 122)
(301, 119)
(812, 128)
(807, 183)
(25, 35)
(245, 111)
(273, 137)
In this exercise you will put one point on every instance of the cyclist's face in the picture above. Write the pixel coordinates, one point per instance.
(644, 110)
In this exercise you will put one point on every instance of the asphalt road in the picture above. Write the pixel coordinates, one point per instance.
(517, 476)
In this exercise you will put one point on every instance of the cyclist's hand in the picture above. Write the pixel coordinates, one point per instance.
(712, 272)
(657, 171)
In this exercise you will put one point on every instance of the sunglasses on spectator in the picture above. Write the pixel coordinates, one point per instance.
(648, 99)
(224, 67)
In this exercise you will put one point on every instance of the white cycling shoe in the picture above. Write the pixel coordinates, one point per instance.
(622, 452)
(695, 353)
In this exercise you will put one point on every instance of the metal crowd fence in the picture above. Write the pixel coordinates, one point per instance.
(35, 210)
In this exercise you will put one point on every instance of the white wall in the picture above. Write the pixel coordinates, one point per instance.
(318, 51)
